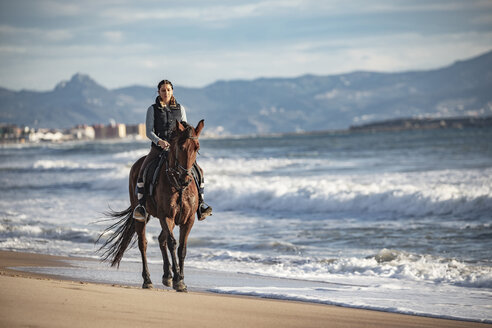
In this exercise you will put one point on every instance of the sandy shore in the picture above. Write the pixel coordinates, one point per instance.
(34, 300)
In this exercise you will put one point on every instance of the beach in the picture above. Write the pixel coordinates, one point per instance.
(29, 300)
(393, 222)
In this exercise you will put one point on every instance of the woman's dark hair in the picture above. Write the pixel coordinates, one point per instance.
(164, 82)
(172, 102)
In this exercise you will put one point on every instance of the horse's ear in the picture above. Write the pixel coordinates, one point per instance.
(179, 126)
(199, 127)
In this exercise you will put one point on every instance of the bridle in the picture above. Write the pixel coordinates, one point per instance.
(178, 166)
(175, 173)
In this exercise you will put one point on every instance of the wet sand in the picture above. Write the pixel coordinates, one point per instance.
(35, 300)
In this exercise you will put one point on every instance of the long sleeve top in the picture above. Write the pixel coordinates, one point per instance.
(149, 123)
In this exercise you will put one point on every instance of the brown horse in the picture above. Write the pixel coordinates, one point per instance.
(175, 202)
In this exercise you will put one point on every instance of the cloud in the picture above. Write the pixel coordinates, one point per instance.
(113, 36)
(201, 12)
(235, 10)
(12, 50)
(145, 64)
(389, 53)
(54, 8)
(336, 7)
(56, 35)
(34, 34)
(483, 19)
(239, 39)
(380, 54)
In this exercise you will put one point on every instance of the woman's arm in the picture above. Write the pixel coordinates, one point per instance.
(183, 114)
(149, 126)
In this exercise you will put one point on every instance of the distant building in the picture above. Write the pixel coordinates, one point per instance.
(10, 132)
(99, 131)
(136, 130)
(43, 135)
(116, 130)
(83, 132)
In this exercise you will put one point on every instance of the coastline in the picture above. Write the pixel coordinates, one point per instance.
(29, 299)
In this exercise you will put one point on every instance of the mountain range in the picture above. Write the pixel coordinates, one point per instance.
(269, 105)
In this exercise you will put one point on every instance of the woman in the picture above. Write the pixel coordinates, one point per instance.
(160, 122)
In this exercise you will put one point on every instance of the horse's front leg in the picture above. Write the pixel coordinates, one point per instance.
(167, 277)
(142, 246)
(184, 232)
(168, 226)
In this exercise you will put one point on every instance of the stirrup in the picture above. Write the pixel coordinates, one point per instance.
(204, 210)
(139, 213)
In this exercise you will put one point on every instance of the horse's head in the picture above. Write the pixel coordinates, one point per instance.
(184, 148)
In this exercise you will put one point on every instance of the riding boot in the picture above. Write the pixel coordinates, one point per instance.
(139, 212)
(204, 209)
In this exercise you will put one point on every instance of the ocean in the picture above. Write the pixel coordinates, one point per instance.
(391, 221)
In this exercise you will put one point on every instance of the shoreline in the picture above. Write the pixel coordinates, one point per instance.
(49, 300)
(401, 124)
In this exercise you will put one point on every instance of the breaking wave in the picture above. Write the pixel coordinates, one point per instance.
(386, 263)
(447, 192)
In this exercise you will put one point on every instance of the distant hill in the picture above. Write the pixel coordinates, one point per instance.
(270, 105)
(425, 124)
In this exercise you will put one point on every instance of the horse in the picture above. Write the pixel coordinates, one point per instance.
(175, 203)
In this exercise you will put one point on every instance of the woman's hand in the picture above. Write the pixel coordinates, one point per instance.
(163, 144)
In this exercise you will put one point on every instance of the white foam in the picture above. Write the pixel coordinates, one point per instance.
(46, 231)
(456, 192)
(66, 164)
(132, 155)
(399, 265)
(383, 295)
(237, 166)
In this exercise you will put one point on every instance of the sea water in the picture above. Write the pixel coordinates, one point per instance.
(393, 221)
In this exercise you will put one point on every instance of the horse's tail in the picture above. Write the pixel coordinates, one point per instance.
(122, 237)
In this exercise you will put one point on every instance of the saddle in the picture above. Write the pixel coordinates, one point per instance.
(153, 169)
(151, 173)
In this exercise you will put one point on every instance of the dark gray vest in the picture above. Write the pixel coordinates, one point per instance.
(165, 120)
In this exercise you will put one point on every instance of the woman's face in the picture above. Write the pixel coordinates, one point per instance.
(166, 92)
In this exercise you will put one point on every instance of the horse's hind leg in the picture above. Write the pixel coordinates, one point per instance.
(167, 277)
(142, 246)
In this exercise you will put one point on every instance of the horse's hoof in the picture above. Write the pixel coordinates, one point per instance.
(147, 286)
(180, 286)
(167, 281)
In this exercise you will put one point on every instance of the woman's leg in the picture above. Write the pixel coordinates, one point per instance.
(139, 213)
(204, 209)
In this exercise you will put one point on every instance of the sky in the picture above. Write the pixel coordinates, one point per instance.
(194, 43)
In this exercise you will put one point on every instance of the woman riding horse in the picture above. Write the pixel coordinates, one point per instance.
(175, 200)
(174, 203)
(159, 125)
